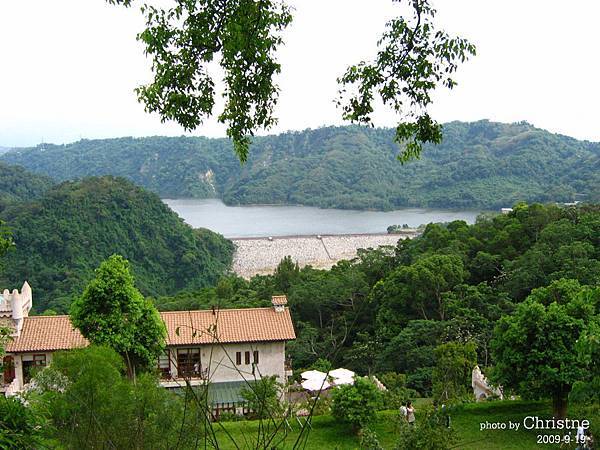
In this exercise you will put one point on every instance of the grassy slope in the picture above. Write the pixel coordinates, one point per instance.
(327, 433)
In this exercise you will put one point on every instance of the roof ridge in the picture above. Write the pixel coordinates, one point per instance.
(48, 317)
(218, 309)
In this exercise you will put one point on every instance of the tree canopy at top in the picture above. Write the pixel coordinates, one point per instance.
(112, 312)
(413, 58)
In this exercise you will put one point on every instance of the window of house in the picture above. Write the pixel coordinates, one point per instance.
(238, 358)
(164, 366)
(188, 362)
(9, 369)
(246, 357)
(31, 366)
(255, 355)
(39, 360)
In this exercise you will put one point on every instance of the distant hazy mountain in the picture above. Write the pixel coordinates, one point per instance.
(479, 165)
(4, 150)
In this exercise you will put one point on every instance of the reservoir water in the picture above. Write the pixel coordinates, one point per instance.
(260, 221)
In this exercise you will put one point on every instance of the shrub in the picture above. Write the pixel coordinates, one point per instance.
(89, 403)
(356, 404)
(322, 406)
(451, 375)
(429, 433)
(262, 397)
(369, 440)
(397, 393)
(18, 428)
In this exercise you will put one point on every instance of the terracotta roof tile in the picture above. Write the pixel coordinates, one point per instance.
(279, 300)
(49, 333)
(46, 333)
(232, 325)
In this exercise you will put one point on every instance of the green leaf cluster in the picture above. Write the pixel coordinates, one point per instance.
(19, 426)
(356, 404)
(539, 350)
(451, 376)
(112, 312)
(95, 406)
(414, 57)
(242, 36)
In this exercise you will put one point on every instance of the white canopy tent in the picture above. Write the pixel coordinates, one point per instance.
(314, 384)
(341, 373)
(313, 375)
(315, 380)
(341, 381)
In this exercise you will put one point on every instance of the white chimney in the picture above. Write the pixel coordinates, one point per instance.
(279, 302)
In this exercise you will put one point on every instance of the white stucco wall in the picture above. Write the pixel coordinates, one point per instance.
(220, 360)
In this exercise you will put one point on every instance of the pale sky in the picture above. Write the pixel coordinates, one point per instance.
(68, 67)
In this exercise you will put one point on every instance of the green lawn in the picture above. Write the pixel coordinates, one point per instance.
(327, 433)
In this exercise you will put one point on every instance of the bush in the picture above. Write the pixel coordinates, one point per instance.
(369, 440)
(451, 377)
(18, 428)
(322, 406)
(322, 364)
(586, 393)
(262, 397)
(420, 381)
(397, 393)
(429, 433)
(230, 417)
(356, 404)
(89, 383)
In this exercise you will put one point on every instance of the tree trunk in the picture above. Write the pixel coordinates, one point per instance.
(560, 403)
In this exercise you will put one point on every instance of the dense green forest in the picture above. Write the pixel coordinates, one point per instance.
(65, 234)
(17, 184)
(478, 165)
(388, 309)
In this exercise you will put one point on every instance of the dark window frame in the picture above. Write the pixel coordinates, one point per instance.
(36, 362)
(187, 363)
(165, 372)
(29, 367)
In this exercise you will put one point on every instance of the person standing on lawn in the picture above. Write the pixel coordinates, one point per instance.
(410, 413)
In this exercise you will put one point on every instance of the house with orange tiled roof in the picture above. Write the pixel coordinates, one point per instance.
(227, 347)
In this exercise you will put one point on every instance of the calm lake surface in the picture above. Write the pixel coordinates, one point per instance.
(260, 221)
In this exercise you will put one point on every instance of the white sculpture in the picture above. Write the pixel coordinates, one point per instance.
(481, 388)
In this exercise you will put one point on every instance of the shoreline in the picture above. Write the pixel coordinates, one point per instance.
(410, 232)
(473, 208)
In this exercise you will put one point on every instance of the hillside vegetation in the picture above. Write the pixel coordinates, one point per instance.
(388, 309)
(63, 236)
(17, 184)
(479, 165)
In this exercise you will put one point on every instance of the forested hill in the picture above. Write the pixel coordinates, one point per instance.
(16, 184)
(63, 236)
(479, 165)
